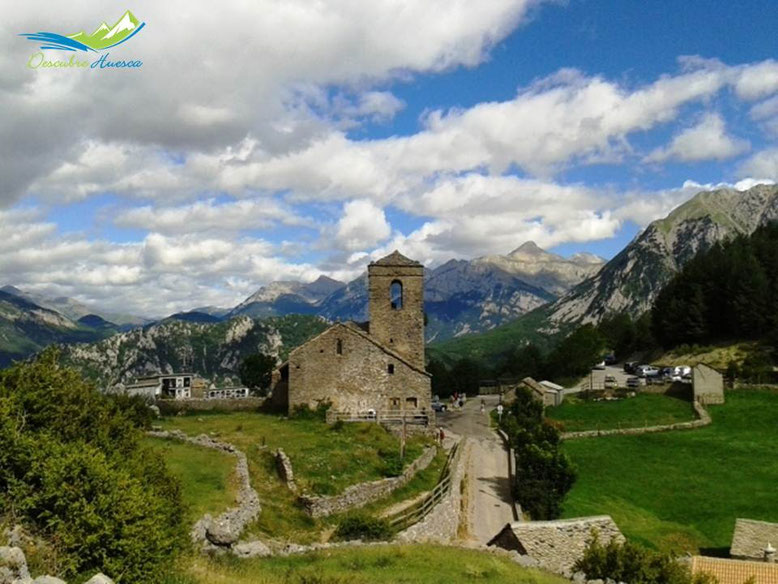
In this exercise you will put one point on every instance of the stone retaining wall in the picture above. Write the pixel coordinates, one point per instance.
(224, 530)
(360, 495)
(441, 524)
(171, 407)
(515, 506)
(703, 420)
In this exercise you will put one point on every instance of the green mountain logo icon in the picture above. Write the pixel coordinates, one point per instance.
(108, 36)
(103, 38)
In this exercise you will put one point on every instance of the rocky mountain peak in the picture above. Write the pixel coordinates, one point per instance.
(529, 250)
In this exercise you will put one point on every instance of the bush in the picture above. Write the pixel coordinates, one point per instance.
(635, 564)
(73, 469)
(546, 474)
(393, 464)
(365, 527)
(305, 412)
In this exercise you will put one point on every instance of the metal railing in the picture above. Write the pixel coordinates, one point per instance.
(416, 512)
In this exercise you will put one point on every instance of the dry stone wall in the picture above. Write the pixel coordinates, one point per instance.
(702, 420)
(224, 530)
(284, 468)
(360, 495)
(442, 523)
(170, 407)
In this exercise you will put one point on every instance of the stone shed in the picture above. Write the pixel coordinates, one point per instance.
(557, 545)
(545, 394)
(752, 538)
(708, 385)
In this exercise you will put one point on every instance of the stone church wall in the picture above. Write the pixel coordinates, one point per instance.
(357, 379)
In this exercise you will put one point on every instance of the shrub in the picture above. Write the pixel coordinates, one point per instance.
(635, 564)
(392, 463)
(73, 468)
(365, 527)
(305, 412)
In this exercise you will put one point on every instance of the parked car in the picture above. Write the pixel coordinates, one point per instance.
(610, 359)
(647, 371)
(633, 382)
(610, 382)
(629, 366)
(600, 365)
(681, 372)
(438, 406)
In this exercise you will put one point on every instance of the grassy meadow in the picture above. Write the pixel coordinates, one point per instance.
(396, 564)
(684, 490)
(325, 458)
(207, 476)
(644, 409)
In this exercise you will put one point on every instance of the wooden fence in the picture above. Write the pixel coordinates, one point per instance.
(417, 417)
(416, 512)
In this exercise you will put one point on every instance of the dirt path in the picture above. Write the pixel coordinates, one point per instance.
(489, 497)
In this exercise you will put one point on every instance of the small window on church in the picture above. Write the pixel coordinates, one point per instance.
(339, 347)
(390, 368)
(396, 295)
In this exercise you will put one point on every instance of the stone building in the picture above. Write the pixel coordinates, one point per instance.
(708, 385)
(378, 365)
(752, 538)
(557, 545)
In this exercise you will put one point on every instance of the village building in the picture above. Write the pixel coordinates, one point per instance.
(557, 545)
(377, 366)
(751, 538)
(168, 386)
(708, 385)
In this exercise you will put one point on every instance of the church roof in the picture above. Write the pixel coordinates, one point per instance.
(395, 259)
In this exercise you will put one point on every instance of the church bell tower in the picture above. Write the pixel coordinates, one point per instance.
(396, 305)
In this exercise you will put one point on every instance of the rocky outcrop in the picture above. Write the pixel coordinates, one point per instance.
(13, 569)
(13, 565)
(226, 529)
(360, 495)
(214, 350)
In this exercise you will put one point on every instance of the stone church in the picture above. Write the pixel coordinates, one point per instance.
(377, 365)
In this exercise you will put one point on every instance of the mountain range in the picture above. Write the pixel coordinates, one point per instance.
(482, 306)
(632, 279)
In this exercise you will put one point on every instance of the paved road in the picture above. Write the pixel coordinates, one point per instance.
(489, 495)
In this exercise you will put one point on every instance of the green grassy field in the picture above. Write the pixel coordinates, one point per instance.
(683, 490)
(326, 459)
(641, 410)
(207, 476)
(417, 564)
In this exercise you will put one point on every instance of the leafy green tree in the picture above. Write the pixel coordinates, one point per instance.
(256, 371)
(576, 354)
(73, 467)
(525, 361)
(545, 472)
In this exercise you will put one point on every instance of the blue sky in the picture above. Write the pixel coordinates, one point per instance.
(315, 137)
